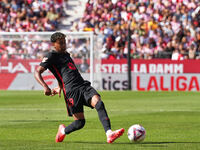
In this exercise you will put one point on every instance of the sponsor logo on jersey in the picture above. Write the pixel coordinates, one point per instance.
(71, 66)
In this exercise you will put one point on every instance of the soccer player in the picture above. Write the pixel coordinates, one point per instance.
(77, 91)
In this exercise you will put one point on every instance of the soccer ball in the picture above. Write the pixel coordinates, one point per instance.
(136, 133)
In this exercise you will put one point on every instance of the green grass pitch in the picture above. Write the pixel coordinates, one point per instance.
(29, 121)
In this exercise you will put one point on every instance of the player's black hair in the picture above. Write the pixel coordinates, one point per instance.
(56, 36)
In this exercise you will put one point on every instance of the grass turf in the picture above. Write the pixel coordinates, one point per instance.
(29, 121)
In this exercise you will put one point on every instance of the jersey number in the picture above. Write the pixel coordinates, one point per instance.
(70, 102)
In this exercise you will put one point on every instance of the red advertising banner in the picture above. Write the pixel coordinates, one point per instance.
(151, 66)
(113, 66)
(152, 82)
(147, 75)
(6, 79)
(185, 82)
(18, 66)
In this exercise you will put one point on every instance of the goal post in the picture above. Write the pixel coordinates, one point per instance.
(84, 47)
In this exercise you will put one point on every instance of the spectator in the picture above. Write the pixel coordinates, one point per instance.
(192, 52)
(84, 66)
(28, 14)
(158, 27)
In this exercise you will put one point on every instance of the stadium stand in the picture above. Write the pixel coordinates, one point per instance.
(29, 15)
(36, 16)
(160, 28)
(73, 7)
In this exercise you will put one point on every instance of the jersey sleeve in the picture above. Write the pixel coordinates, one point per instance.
(47, 61)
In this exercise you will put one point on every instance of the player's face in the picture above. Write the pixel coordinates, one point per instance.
(60, 45)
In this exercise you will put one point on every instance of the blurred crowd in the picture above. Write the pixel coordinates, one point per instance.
(159, 28)
(23, 49)
(34, 16)
(36, 49)
(30, 15)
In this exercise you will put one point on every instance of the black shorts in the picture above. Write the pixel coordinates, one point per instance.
(76, 99)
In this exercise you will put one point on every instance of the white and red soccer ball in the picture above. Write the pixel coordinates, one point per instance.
(136, 133)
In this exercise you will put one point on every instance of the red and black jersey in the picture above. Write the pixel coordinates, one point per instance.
(63, 68)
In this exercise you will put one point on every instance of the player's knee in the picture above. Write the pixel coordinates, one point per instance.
(95, 99)
(79, 124)
(99, 105)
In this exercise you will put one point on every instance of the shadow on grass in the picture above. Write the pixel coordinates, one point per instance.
(142, 143)
(47, 120)
(168, 142)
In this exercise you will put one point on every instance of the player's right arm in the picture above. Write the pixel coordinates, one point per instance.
(39, 78)
(57, 90)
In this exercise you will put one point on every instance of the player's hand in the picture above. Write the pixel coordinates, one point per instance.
(47, 91)
(56, 90)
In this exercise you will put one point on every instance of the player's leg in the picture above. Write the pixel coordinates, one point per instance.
(75, 105)
(103, 117)
(79, 122)
(102, 113)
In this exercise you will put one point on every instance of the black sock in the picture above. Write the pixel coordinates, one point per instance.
(103, 116)
(76, 125)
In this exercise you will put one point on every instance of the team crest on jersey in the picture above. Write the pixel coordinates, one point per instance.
(44, 59)
(71, 66)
